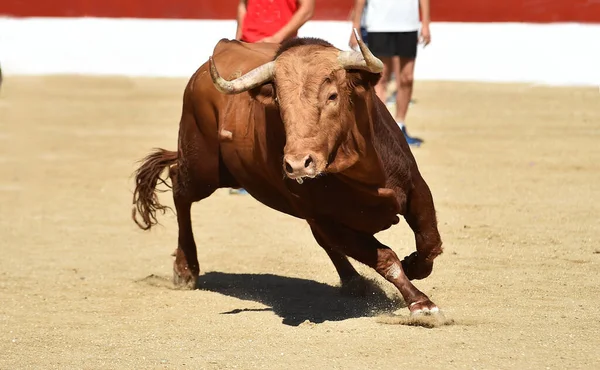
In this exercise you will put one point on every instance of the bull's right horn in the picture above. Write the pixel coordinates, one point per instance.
(250, 80)
(364, 59)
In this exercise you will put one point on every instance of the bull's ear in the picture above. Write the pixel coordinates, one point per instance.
(264, 94)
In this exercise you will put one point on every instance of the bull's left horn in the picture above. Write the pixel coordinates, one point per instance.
(250, 80)
(364, 60)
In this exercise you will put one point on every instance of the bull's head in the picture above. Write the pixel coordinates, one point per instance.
(313, 87)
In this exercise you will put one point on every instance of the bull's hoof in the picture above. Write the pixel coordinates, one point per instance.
(415, 267)
(423, 308)
(184, 279)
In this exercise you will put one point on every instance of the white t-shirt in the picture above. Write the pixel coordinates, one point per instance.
(392, 15)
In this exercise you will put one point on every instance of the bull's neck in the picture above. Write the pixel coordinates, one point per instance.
(368, 168)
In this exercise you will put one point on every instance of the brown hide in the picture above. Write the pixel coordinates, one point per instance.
(240, 140)
(251, 141)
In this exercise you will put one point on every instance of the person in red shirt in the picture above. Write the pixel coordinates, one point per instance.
(272, 20)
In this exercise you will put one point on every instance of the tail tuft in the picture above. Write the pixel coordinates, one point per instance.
(147, 177)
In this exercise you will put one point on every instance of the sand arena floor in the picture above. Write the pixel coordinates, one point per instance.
(515, 174)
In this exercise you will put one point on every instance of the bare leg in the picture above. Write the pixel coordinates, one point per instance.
(381, 87)
(404, 82)
(368, 250)
(393, 92)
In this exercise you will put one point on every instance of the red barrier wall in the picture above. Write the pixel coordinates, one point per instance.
(539, 11)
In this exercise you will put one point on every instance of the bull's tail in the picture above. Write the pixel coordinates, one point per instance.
(147, 176)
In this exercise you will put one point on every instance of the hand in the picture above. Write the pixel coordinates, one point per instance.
(425, 36)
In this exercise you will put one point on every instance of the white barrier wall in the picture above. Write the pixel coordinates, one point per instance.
(563, 54)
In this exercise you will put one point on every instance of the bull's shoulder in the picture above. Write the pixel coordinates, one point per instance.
(233, 57)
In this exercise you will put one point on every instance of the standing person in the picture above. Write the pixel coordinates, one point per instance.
(363, 28)
(271, 21)
(393, 29)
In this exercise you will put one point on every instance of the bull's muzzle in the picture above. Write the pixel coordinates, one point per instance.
(297, 167)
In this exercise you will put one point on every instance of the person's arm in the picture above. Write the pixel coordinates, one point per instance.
(351, 15)
(359, 6)
(241, 13)
(303, 14)
(425, 20)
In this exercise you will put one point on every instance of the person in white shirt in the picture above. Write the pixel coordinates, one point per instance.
(393, 30)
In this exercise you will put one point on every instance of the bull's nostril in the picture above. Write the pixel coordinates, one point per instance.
(308, 161)
(288, 168)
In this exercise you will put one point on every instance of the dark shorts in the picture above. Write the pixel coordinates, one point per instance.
(389, 44)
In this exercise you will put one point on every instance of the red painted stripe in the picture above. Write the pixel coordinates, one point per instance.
(539, 11)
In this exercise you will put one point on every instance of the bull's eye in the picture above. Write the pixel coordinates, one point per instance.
(333, 96)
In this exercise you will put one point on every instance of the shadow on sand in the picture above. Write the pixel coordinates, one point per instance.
(297, 300)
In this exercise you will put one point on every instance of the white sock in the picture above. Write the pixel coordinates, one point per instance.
(401, 124)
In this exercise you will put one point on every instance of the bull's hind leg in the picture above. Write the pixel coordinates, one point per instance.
(420, 216)
(194, 177)
(367, 249)
(185, 267)
(352, 282)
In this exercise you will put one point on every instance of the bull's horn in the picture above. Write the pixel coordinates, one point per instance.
(364, 60)
(250, 80)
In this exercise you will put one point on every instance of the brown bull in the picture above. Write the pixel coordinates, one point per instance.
(299, 126)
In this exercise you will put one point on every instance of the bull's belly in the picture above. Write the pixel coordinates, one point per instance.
(325, 198)
(271, 196)
(352, 205)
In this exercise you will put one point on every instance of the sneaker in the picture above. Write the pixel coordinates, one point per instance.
(414, 141)
(238, 191)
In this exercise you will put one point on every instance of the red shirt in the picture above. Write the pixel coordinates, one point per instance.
(265, 17)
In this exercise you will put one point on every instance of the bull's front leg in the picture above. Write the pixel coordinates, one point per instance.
(420, 216)
(352, 282)
(367, 249)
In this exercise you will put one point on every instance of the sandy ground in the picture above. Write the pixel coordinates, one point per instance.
(514, 170)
